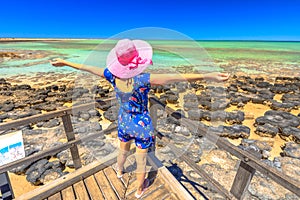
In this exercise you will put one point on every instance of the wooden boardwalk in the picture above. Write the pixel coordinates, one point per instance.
(99, 181)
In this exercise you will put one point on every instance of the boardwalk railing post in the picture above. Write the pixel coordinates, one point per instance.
(153, 114)
(5, 187)
(70, 136)
(242, 180)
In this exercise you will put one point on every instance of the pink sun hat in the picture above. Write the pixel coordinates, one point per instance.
(129, 58)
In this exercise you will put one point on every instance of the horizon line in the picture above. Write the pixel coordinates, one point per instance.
(96, 38)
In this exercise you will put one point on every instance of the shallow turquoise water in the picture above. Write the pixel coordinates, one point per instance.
(202, 55)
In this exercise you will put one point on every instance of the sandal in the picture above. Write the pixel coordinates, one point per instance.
(145, 186)
(119, 175)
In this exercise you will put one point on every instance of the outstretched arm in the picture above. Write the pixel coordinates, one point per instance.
(92, 69)
(161, 79)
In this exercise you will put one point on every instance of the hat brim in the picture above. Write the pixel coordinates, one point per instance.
(116, 68)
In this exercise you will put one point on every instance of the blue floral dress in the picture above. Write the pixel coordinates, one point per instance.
(134, 120)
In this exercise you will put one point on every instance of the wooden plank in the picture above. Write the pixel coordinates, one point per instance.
(154, 185)
(105, 186)
(93, 188)
(173, 185)
(80, 191)
(115, 182)
(53, 151)
(242, 180)
(160, 193)
(131, 188)
(172, 197)
(222, 143)
(56, 196)
(69, 179)
(68, 193)
(168, 178)
(71, 136)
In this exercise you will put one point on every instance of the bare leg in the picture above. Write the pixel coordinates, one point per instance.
(141, 158)
(123, 153)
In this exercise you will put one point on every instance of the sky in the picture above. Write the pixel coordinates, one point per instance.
(200, 20)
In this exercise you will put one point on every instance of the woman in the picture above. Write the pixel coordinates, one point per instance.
(125, 65)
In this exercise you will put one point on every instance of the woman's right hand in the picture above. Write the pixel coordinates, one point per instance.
(58, 62)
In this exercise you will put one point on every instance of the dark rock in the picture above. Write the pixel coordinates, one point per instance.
(111, 114)
(85, 116)
(195, 114)
(172, 99)
(32, 149)
(7, 107)
(290, 97)
(179, 139)
(3, 81)
(62, 88)
(104, 106)
(190, 97)
(182, 86)
(38, 101)
(23, 87)
(232, 88)
(95, 144)
(94, 112)
(20, 105)
(172, 120)
(282, 106)
(258, 100)
(70, 163)
(163, 99)
(249, 89)
(280, 88)
(182, 130)
(33, 131)
(235, 117)
(290, 167)
(268, 130)
(259, 148)
(254, 150)
(190, 105)
(234, 132)
(54, 87)
(263, 84)
(157, 89)
(20, 170)
(51, 123)
(95, 126)
(81, 129)
(50, 175)
(64, 156)
(3, 116)
(292, 150)
(291, 132)
(35, 171)
(280, 119)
